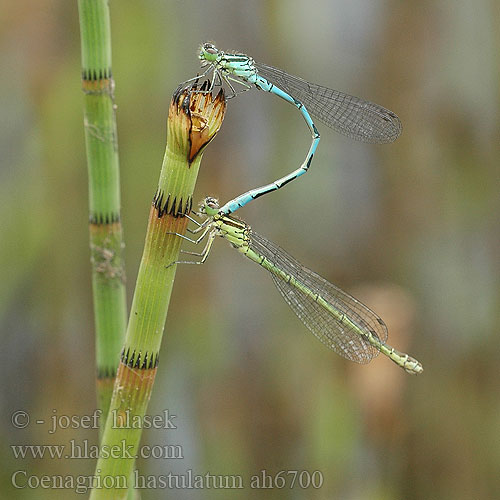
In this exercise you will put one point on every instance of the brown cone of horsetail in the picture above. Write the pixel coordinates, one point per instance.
(106, 242)
(194, 120)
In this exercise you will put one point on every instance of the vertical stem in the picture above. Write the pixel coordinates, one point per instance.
(194, 120)
(106, 241)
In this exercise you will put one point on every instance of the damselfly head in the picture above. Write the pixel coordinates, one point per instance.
(208, 52)
(209, 206)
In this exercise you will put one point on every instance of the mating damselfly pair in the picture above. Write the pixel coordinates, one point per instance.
(337, 319)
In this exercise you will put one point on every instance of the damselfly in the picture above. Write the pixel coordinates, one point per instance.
(337, 319)
(349, 115)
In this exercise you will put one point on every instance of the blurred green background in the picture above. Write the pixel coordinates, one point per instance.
(410, 228)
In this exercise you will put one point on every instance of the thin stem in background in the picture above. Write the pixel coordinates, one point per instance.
(106, 239)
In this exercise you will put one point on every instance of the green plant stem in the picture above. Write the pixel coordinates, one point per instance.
(106, 241)
(194, 119)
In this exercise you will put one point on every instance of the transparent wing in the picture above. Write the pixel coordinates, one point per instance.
(329, 329)
(349, 115)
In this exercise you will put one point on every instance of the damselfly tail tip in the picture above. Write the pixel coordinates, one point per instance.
(412, 366)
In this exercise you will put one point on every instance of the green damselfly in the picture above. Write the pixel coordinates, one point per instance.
(337, 319)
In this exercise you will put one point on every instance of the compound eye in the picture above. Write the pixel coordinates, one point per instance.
(212, 203)
(210, 48)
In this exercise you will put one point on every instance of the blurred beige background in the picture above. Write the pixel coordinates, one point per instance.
(411, 228)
